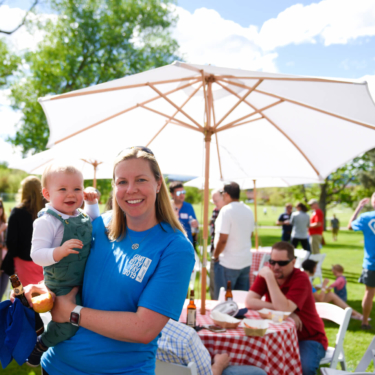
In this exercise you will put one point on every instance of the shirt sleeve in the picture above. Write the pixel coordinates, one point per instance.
(259, 286)
(92, 210)
(297, 292)
(41, 244)
(192, 213)
(358, 224)
(320, 216)
(292, 219)
(281, 218)
(339, 283)
(223, 223)
(166, 291)
(197, 352)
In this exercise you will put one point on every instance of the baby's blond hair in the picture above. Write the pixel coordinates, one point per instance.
(57, 168)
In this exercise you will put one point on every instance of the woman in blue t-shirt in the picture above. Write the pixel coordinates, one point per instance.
(136, 278)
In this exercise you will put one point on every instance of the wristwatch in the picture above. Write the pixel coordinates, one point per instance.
(75, 316)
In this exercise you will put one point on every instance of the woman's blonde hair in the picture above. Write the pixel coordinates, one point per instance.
(31, 197)
(163, 208)
(3, 216)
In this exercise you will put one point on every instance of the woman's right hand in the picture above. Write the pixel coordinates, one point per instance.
(31, 289)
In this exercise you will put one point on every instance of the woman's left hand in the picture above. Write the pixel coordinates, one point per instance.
(63, 306)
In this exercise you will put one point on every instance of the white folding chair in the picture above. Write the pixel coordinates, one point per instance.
(265, 258)
(166, 368)
(239, 296)
(301, 256)
(341, 317)
(318, 273)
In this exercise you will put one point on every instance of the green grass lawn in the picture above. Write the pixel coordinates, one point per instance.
(348, 251)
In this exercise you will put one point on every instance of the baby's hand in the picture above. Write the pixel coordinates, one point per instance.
(90, 196)
(67, 248)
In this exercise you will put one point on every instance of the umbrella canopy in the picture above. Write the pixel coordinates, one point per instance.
(92, 167)
(259, 124)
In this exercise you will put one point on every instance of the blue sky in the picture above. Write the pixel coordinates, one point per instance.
(327, 38)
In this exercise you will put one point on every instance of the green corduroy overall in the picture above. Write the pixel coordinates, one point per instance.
(61, 277)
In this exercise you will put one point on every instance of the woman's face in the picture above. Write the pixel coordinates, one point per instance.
(136, 189)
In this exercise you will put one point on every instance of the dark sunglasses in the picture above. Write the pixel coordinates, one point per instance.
(281, 263)
(222, 192)
(178, 193)
(141, 148)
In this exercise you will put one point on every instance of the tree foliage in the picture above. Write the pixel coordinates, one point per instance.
(92, 41)
(9, 63)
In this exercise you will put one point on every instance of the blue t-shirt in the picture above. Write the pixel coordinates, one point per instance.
(155, 276)
(366, 223)
(185, 215)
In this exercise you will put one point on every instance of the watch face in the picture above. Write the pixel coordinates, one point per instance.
(74, 318)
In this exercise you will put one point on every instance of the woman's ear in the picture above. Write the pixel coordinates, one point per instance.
(45, 193)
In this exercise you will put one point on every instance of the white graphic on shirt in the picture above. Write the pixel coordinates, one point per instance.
(137, 267)
(184, 216)
(371, 225)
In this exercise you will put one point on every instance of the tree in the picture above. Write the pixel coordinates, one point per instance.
(9, 63)
(92, 41)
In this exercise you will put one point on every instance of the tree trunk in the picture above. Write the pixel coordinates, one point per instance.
(323, 202)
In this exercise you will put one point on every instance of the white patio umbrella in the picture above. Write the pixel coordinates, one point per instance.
(92, 167)
(260, 124)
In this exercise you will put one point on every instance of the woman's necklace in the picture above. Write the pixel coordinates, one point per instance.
(135, 246)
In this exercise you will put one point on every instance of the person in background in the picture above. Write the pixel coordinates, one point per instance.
(365, 223)
(335, 224)
(181, 344)
(20, 231)
(218, 201)
(316, 227)
(284, 220)
(300, 222)
(289, 289)
(108, 205)
(339, 286)
(184, 211)
(4, 277)
(233, 230)
(324, 294)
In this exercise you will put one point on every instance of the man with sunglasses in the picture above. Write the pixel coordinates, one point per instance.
(288, 289)
(184, 211)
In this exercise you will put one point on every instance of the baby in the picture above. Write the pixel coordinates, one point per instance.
(61, 243)
(339, 286)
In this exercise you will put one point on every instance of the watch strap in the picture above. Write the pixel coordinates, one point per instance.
(76, 311)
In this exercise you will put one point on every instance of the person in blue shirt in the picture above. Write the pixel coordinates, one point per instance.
(366, 224)
(284, 220)
(184, 211)
(136, 278)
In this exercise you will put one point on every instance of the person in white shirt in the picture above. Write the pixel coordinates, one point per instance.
(233, 230)
(61, 243)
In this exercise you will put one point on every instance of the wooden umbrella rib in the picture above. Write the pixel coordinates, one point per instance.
(174, 105)
(297, 79)
(145, 84)
(168, 121)
(302, 104)
(41, 165)
(217, 141)
(235, 125)
(167, 116)
(174, 122)
(123, 112)
(239, 102)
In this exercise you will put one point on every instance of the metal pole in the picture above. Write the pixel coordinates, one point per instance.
(255, 215)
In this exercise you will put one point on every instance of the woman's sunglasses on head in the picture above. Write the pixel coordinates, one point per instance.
(281, 263)
(141, 148)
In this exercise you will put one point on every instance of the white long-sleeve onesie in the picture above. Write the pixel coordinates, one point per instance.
(49, 231)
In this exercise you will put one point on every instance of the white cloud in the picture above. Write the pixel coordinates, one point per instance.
(207, 38)
(332, 21)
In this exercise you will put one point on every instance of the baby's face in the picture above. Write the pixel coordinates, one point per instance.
(64, 191)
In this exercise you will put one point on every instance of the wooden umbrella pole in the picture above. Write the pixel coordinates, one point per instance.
(255, 215)
(94, 182)
(207, 139)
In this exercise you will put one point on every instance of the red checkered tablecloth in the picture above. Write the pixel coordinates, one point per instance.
(257, 256)
(277, 352)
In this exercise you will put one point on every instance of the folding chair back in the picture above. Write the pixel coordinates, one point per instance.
(318, 258)
(166, 368)
(265, 258)
(301, 256)
(341, 317)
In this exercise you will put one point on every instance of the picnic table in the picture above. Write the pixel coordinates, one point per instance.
(277, 352)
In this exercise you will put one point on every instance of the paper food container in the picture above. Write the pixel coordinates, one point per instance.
(255, 327)
(224, 320)
(273, 315)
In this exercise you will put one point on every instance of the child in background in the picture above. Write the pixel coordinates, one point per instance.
(339, 286)
(61, 243)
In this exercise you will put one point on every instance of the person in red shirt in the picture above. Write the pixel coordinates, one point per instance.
(288, 289)
(316, 227)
